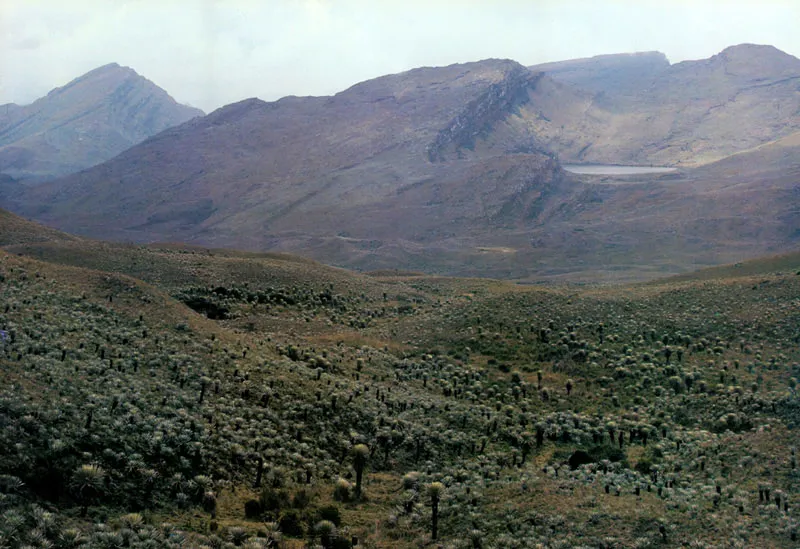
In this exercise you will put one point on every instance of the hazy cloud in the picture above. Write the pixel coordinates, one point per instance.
(26, 43)
(212, 52)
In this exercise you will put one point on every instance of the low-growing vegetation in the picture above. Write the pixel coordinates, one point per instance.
(323, 409)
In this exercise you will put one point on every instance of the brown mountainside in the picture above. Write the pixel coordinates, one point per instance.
(616, 74)
(451, 170)
(779, 158)
(688, 113)
(428, 155)
(89, 120)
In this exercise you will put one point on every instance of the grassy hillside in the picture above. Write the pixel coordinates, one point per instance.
(16, 230)
(783, 263)
(173, 266)
(173, 396)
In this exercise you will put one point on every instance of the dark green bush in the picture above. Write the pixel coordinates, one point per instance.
(273, 500)
(331, 513)
(252, 509)
(291, 524)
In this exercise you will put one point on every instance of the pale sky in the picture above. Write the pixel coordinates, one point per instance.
(208, 53)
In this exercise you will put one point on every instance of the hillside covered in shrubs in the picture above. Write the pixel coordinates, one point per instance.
(183, 397)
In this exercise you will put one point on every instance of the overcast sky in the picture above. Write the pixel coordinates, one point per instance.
(209, 53)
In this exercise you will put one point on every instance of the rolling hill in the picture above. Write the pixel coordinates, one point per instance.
(16, 230)
(227, 403)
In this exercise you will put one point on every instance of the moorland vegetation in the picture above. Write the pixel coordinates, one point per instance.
(185, 397)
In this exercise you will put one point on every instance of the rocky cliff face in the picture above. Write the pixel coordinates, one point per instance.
(89, 120)
(478, 117)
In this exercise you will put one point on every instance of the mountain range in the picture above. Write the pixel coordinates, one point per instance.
(688, 113)
(87, 121)
(174, 394)
(457, 170)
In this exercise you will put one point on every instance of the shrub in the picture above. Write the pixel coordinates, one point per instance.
(301, 499)
(237, 535)
(291, 524)
(611, 453)
(342, 490)
(252, 509)
(330, 513)
(411, 480)
(273, 500)
(326, 531)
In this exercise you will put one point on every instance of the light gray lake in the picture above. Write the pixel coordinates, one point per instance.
(601, 169)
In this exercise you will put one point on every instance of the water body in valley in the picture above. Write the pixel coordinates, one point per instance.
(601, 169)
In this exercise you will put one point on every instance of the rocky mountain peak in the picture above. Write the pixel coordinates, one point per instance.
(88, 120)
(756, 60)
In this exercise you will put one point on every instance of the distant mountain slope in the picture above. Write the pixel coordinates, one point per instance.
(784, 263)
(616, 74)
(780, 157)
(452, 170)
(619, 229)
(425, 156)
(89, 120)
(688, 113)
